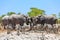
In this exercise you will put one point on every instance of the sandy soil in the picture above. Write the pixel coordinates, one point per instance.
(29, 36)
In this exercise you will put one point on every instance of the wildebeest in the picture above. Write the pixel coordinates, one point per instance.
(12, 21)
(17, 21)
(7, 23)
(44, 19)
(51, 20)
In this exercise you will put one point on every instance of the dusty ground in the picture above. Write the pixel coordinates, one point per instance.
(29, 36)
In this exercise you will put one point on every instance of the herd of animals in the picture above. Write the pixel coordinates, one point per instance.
(10, 22)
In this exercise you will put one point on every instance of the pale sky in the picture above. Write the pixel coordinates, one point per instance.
(23, 6)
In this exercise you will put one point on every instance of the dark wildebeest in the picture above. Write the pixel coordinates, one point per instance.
(10, 22)
(51, 20)
(5, 21)
(44, 19)
(33, 21)
(7, 24)
(40, 20)
(30, 21)
(18, 20)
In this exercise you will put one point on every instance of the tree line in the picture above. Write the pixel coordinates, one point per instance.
(32, 13)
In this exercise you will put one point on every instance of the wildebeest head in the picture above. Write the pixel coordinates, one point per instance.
(41, 19)
(5, 21)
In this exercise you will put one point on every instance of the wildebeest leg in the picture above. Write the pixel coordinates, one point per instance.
(4, 27)
(58, 29)
(55, 28)
(13, 25)
(8, 29)
(49, 28)
(42, 25)
(21, 24)
(52, 28)
(18, 29)
(45, 27)
(31, 26)
(18, 32)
